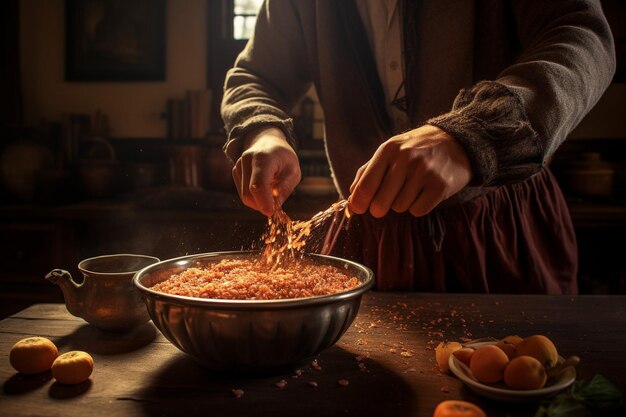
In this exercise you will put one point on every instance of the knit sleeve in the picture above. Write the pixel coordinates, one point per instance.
(510, 127)
(489, 121)
(269, 76)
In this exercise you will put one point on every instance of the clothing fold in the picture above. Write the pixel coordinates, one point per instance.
(513, 239)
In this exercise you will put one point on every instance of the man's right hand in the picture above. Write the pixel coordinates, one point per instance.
(267, 163)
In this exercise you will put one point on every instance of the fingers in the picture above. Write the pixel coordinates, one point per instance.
(426, 201)
(257, 175)
(238, 179)
(268, 162)
(389, 188)
(410, 190)
(260, 186)
(357, 177)
(241, 177)
(368, 184)
(414, 187)
(288, 181)
(414, 171)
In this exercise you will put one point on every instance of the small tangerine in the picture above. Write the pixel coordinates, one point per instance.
(33, 355)
(72, 367)
(488, 363)
(458, 408)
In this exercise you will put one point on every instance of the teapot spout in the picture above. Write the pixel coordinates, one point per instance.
(72, 292)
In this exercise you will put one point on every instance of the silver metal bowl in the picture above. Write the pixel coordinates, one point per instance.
(251, 335)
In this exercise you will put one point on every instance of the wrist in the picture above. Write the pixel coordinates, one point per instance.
(456, 149)
(261, 132)
(438, 132)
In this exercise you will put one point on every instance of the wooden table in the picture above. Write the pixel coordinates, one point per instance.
(141, 374)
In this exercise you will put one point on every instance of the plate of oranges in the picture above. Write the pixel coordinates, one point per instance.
(512, 369)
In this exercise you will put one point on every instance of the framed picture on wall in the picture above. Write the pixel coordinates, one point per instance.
(115, 40)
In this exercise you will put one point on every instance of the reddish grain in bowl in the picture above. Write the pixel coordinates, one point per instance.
(253, 279)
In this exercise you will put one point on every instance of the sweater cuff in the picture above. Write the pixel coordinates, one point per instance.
(233, 148)
(490, 123)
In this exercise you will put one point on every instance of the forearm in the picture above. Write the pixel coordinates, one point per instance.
(268, 78)
(567, 63)
(510, 127)
(247, 109)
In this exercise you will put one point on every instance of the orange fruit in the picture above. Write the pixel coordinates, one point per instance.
(525, 372)
(464, 355)
(507, 348)
(488, 363)
(508, 345)
(443, 352)
(512, 340)
(457, 408)
(540, 348)
(72, 367)
(33, 355)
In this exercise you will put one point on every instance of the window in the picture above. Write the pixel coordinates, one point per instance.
(244, 17)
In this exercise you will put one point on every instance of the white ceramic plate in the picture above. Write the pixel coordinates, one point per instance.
(501, 393)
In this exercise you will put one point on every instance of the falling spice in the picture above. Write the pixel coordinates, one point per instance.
(285, 239)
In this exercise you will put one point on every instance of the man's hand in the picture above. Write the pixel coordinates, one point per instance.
(267, 163)
(413, 171)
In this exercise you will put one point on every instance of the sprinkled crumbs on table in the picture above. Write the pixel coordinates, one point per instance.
(315, 365)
